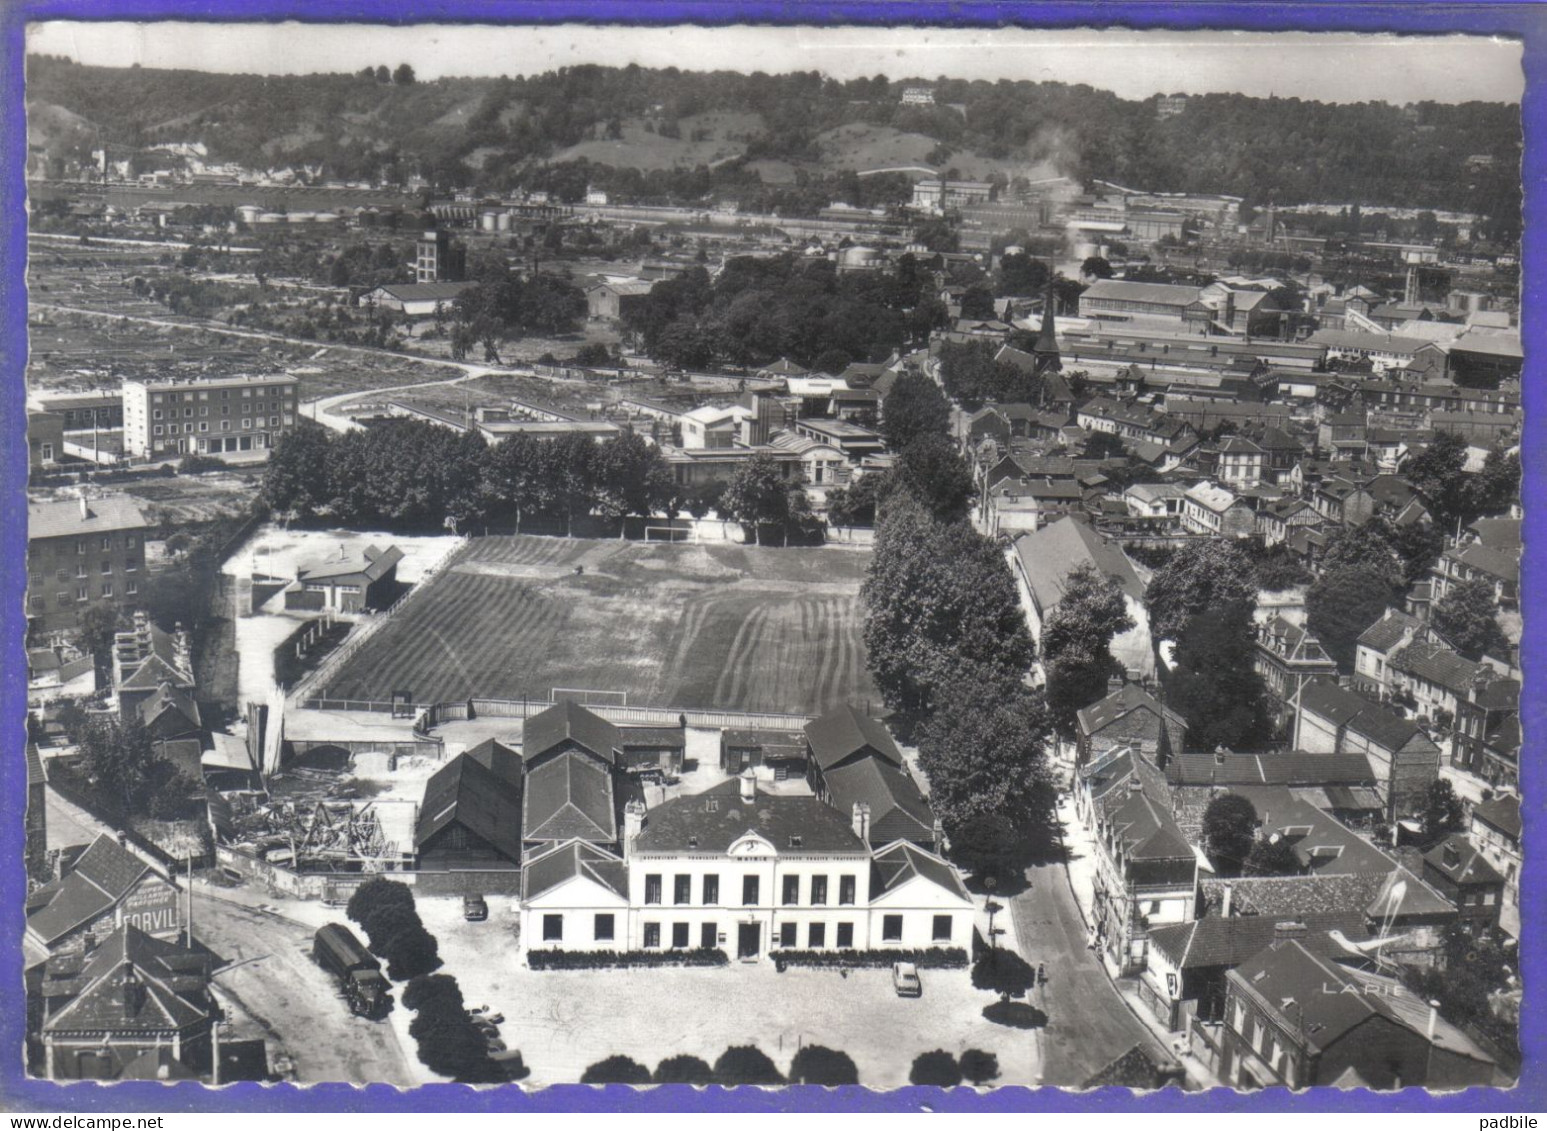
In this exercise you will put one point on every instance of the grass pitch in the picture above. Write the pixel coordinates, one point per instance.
(717, 627)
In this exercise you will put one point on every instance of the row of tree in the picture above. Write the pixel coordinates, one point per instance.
(758, 310)
(811, 1064)
(947, 643)
(385, 911)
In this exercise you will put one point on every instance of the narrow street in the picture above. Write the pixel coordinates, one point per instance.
(1088, 1025)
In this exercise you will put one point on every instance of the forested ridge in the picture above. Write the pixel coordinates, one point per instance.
(495, 132)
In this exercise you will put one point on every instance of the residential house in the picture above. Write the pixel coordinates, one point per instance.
(346, 582)
(1463, 874)
(1495, 829)
(147, 662)
(1129, 718)
(1020, 505)
(1486, 734)
(1432, 680)
(1278, 519)
(1287, 657)
(135, 1007)
(1477, 561)
(416, 300)
(1188, 962)
(1242, 463)
(1146, 871)
(1406, 761)
(575, 896)
(1045, 559)
(107, 888)
(1214, 510)
(82, 551)
(1155, 500)
(1378, 644)
(1297, 1019)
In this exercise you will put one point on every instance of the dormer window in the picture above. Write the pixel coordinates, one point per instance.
(692, 842)
(795, 841)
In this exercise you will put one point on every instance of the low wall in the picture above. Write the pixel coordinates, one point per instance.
(430, 715)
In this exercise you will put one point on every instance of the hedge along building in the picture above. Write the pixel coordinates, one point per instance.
(749, 872)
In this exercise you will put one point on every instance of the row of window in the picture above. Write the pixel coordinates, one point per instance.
(225, 410)
(63, 574)
(224, 394)
(225, 426)
(604, 928)
(82, 593)
(751, 890)
(83, 545)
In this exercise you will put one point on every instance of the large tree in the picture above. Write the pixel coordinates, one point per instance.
(1443, 813)
(933, 471)
(296, 476)
(915, 407)
(1467, 616)
(1229, 831)
(1202, 575)
(1272, 856)
(984, 752)
(1213, 682)
(1341, 604)
(757, 495)
(1076, 642)
(1439, 473)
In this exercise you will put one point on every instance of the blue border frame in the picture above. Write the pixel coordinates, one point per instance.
(1523, 20)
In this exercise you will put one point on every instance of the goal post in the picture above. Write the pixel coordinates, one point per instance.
(589, 697)
(668, 533)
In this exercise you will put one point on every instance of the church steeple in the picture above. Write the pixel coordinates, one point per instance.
(1046, 349)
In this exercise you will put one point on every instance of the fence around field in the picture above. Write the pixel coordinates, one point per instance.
(368, 627)
(427, 716)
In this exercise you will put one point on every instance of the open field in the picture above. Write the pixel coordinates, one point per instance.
(707, 627)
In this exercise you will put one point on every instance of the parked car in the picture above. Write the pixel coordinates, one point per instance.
(474, 909)
(486, 1028)
(905, 979)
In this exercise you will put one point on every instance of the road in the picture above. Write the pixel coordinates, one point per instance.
(268, 974)
(1089, 1025)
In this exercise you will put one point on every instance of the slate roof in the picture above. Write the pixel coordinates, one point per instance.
(568, 722)
(424, 292)
(1323, 845)
(1470, 867)
(168, 698)
(896, 864)
(494, 755)
(1386, 633)
(371, 564)
(1288, 897)
(1502, 813)
(1290, 768)
(898, 810)
(1495, 563)
(1370, 720)
(1135, 1069)
(1204, 943)
(466, 792)
(1501, 534)
(102, 875)
(839, 733)
(63, 518)
(1121, 290)
(1295, 983)
(1049, 555)
(714, 820)
(651, 737)
(566, 862)
(174, 982)
(1438, 665)
(1124, 701)
(570, 796)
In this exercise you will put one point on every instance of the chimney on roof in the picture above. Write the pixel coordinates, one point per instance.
(163, 1072)
(1452, 855)
(132, 989)
(1114, 683)
(1291, 929)
(1434, 1020)
(85, 506)
(861, 821)
(1224, 909)
(748, 782)
(1219, 755)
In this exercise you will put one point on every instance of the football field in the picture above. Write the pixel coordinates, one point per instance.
(673, 625)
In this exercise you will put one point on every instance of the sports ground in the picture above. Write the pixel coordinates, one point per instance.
(707, 627)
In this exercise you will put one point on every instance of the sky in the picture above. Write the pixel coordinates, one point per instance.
(1329, 67)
